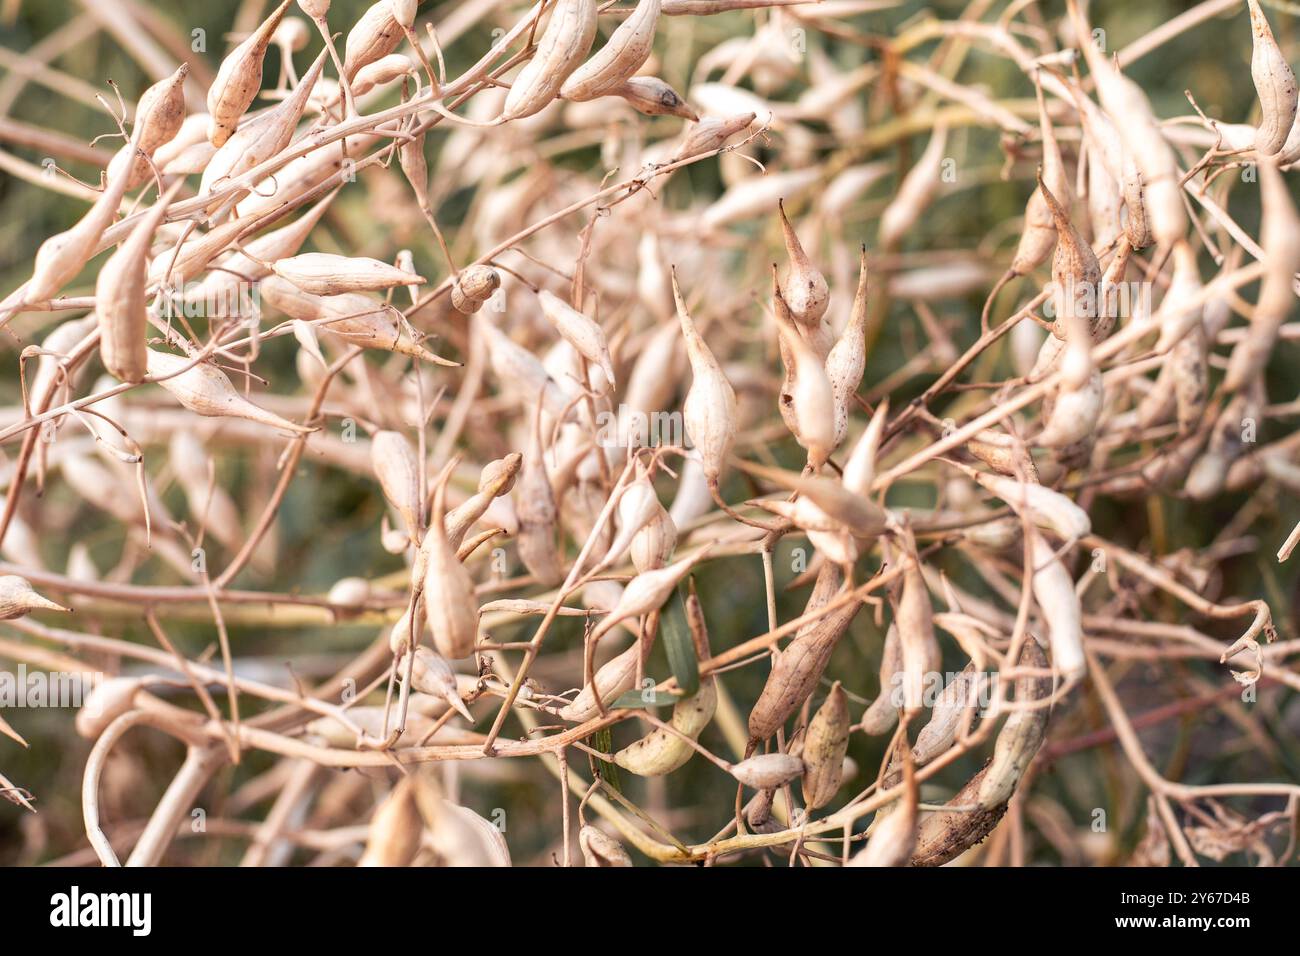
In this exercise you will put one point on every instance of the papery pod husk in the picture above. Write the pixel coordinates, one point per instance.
(601, 849)
(239, 78)
(1020, 737)
(799, 667)
(941, 836)
(826, 743)
(395, 829)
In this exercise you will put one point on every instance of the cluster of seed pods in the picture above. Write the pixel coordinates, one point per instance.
(581, 406)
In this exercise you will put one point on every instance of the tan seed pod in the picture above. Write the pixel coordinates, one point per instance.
(1280, 238)
(915, 192)
(357, 317)
(915, 619)
(797, 670)
(1074, 413)
(394, 461)
(825, 745)
(893, 833)
(1274, 83)
(600, 849)
(370, 719)
(1020, 737)
(521, 373)
(1208, 475)
(1044, 506)
(1040, 237)
(322, 273)
(653, 546)
(375, 35)
(942, 836)
(661, 752)
(711, 133)
(847, 360)
(614, 63)
(1130, 111)
(395, 829)
(300, 176)
(158, 118)
(496, 479)
(205, 390)
(62, 256)
(647, 592)
(767, 771)
(709, 411)
(474, 286)
(653, 97)
(1054, 591)
(803, 286)
(462, 838)
(880, 717)
(260, 138)
(808, 397)
(860, 469)
(952, 714)
(1076, 273)
(615, 677)
(432, 675)
(18, 598)
(381, 72)
(239, 78)
(538, 513)
(565, 41)
(449, 603)
(120, 302)
(638, 505)
(583, 333)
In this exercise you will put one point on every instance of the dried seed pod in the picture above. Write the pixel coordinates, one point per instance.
(711, 133)
(600, 849)
(18, 598)
(1044, 506)
(395, 829)
(847, 360)
(944, 835)
(1274, 82)
(462, 838)
(239, 78)
(952, 714)
(519, 372)
(109, 700)
(120, 302)
(1227, 443)
(538, 514)
(449, 603)
(357, 317)
(259, 139)
(1076, 273)
(860, 469)
(394, 461)
(614, 63)
(375, 35)
(583, 333)
(646, 593)
(798, 668)
(661, 752)
(62, 256)
(709, 411)
(351, 593)
(893, 833)
(915, 192)
(1020, 737)
(371, 722)
(880, 717)
(638, 505)
(615, 677)
(496, 479)
(767, 771)
(1054, 591)
(474, 286)
(1074, 415)
(1280, 238)
(381, 72)
(825, 745)
(205, 390)
(653, 546)
(432, 675)
(653, 97)
(158, 118)
(807, 398)
(803, 287)
(915, 619)
(1040, 234)
(1130, 111)
(565, 41)
(322, 273)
